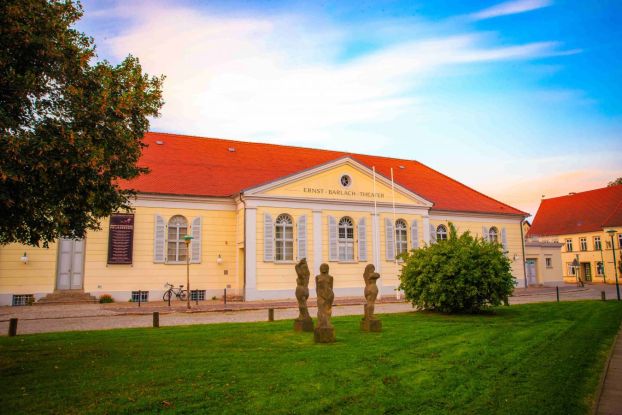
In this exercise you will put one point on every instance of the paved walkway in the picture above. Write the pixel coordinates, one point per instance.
(610, 402)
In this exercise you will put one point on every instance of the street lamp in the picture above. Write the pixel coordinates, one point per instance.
(187, 239)
(612, 232)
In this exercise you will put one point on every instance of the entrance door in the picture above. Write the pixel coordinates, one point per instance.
(531, 271)
(69, 274)
(587, 271)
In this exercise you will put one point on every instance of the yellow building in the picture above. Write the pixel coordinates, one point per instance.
(588, 227)
(254, 210)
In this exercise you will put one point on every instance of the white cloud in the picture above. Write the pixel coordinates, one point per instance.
(277, 78)
(510, 7)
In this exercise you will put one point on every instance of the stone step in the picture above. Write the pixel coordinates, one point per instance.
(67, 297)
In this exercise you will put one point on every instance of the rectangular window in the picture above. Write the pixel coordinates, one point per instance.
(23, 299)
(571, 268)
(549, 262)
(568, 245)
(620, 240)
(583, 243)
(597, 245)
(142, 295)
(600, 269)
(197, 295)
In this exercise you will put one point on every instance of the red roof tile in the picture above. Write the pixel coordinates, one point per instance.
(186, 165)
(578, 213)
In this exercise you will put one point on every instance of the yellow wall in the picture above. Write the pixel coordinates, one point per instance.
(37, 276)
(544, 274)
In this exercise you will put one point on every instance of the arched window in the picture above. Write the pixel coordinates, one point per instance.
(493, 235)
(284, 238)
(345, 240)
(177, 229)
(441, 233)
(401, 240)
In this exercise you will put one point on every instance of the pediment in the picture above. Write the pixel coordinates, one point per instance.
(344, 179)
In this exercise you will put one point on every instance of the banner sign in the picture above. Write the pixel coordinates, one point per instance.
(121, 238)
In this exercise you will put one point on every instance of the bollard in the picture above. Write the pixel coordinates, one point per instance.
(169, 300)
(602, 296)
(557, 291)
(139, 295)
(12, 327)
(225, 297)
(156, 319)
(271, 314)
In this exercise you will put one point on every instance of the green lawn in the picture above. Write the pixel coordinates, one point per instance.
(538, 358)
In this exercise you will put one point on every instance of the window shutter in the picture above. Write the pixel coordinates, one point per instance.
(159, 242)
(302, 237)
(414, 235)
(485, 233)
(504, 239)
(362, 234)
(195, 245)
(268, 238)
(332, 239)
(432, 234)
(389, 239)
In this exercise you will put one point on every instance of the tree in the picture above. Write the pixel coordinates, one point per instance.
(615, 182)
(461, 274)
(71, 127)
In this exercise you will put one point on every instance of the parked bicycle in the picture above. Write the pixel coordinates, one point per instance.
(180, 293)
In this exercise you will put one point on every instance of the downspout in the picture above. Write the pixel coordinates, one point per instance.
(244, 235)
(522, 238)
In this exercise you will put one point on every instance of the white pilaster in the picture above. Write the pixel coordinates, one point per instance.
(317, 241)
(250, 251)
(375, 238)
(426, 229)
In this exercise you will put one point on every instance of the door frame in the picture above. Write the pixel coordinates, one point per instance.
(58, 255)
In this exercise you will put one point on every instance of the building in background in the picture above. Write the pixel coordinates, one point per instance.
(580, 222)
(254, 210)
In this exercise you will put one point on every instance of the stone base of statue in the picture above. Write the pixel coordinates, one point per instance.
(371, 325)
(324, 334)
(303, 325)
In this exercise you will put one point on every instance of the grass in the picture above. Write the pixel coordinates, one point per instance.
(527, 359)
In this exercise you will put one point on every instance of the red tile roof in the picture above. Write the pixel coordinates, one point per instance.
(197, 166)
(578, 213)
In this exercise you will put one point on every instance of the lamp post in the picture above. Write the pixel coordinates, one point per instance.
(612, 232)
(187, 239)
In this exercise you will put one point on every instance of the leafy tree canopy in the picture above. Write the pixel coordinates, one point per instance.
(462, 274)
(615, 182)
(70, 127)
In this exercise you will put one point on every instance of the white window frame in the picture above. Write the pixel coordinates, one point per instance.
(345, 244)
(401, 236)
(441, 233)
(493, 234)
(283, 223)
(568, 245)
(548, 262)
(178, 241)
(583, 244)
(598, 245)
(600, 268)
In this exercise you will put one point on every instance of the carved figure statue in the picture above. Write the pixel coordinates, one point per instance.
(304, 321)
(325, 296)
(370, 322)
(324, 332)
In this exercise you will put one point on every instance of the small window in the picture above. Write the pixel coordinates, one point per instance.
(493, 235)
(345, 180)
(142, 296)
(345, 239)
(620, 240)
(600, 268)
(23, 299)
(197, 295)
(548, 262)
(177, 229)
(583, 243)
(569, 245)
(597, 244)
(284, 238)
(401, 238)
(441, 233)
(571, 269)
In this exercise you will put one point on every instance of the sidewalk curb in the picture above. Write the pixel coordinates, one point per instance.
(603, 375)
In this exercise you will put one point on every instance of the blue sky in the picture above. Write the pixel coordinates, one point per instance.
(517, 99)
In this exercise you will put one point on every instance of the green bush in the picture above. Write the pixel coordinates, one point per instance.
(460, 275)
(106, 298)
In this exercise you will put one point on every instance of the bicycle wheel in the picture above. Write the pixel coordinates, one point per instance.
(167, 295)
(183, 295)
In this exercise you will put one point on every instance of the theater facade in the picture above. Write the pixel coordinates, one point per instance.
(254, 210)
